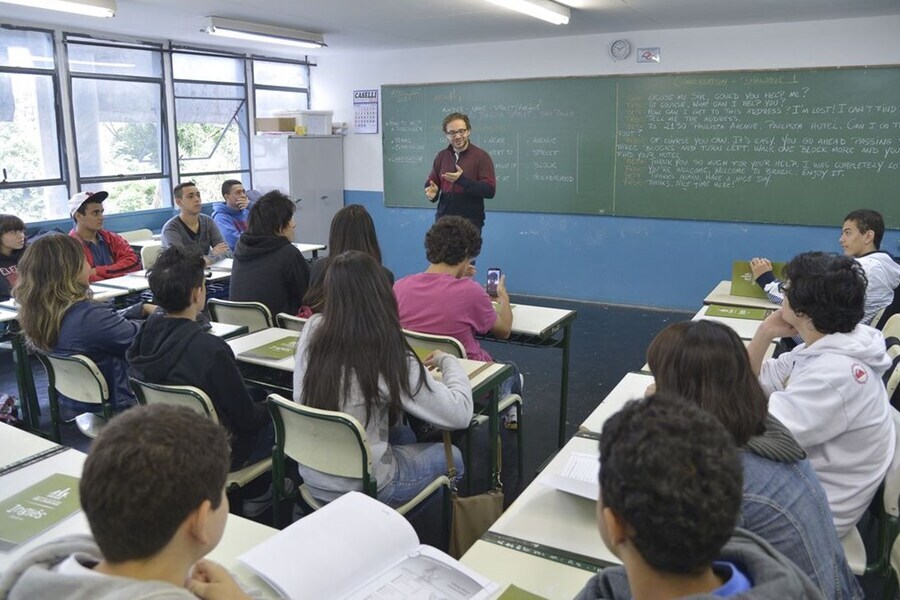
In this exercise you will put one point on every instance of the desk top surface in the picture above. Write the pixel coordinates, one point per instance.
(721, 294)
(633, 385)
(539, 320)
(745, 328)
(309, 247)
(131, 282)
(261, 338)
(16, 445)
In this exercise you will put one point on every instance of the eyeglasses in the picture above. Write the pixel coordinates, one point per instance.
(457, 132)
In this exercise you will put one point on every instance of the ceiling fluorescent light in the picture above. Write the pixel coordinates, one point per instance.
(541, 9)
(90, 8)
(254, 32)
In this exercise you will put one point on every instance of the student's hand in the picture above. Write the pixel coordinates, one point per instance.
(211, 581)
(502, 295)
(433, 360)
(775, 326)
(149, 309)
(470, 271)
(243, 203)
(758, 266)
(220, 248)
(431, 191)
(651, 389)
(452, 177)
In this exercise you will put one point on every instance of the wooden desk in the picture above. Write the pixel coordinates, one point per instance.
(632, 386)
(721, 294)
(240, 534)
(539, 326)
(313, 248)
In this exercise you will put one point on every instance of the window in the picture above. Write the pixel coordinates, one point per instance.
(280, 87)
(32, 174)
(212, 130)
(119, 121)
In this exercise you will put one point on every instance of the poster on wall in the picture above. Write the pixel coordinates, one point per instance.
(365, 111)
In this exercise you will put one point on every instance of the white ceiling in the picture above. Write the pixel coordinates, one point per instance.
(361, 25)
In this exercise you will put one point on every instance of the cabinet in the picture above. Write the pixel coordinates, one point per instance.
(310, 170)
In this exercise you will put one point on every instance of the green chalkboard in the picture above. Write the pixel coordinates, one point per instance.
(804, 146)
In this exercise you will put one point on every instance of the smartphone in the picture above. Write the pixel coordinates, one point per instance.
(493, 278)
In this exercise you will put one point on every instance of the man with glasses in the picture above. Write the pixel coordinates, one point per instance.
(462, 175)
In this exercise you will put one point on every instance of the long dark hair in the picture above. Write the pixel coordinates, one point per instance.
(359, 337)
(707, 363)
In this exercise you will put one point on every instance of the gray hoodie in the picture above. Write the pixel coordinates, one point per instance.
(774, 577)
(36, 576)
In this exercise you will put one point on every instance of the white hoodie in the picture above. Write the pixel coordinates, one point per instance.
(830, 395)
(883, 275)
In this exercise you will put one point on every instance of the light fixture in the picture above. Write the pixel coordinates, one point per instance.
(546, 10)
(90, 8)
(254, 32)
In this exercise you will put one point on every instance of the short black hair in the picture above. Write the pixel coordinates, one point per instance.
(11, 223)
(229, 183)
(270, 214)
(868, 220)
(828, 288)
(148, 469)
(452, 240)
(175, 274)
(671, 471)
(177, 189)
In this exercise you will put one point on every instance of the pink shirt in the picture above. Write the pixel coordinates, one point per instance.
(440, 304)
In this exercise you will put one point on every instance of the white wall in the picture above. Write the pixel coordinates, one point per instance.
(869, 41)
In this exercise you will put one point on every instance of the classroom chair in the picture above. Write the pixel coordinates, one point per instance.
(197, 400)
(422, 342)
(286, 321)
(891, 329)
(255, 315)
(892, 382)
(334, 443)
(136, 235)
(149, 254)
(886, 515)
(76, 377)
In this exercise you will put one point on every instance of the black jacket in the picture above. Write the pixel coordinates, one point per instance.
(269, 269)
(9, 272)
(172, 351)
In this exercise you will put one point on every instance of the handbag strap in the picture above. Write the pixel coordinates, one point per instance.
(448, 454)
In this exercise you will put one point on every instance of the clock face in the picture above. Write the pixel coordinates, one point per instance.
(620, 49)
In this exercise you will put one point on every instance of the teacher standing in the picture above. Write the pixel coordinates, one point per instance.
(462, 175)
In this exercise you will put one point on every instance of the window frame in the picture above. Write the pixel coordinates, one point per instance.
(278, 88)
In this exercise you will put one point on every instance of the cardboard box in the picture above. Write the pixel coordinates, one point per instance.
(285, 124)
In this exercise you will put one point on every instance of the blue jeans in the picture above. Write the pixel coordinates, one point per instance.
(417, 466)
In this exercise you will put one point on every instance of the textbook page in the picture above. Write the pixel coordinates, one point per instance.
(580, 476)
(357, 547)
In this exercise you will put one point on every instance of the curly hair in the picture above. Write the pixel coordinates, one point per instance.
(671, 471)
(828, 288)
(453, 117)
(707, 362)
(147, 471)
(452, 240)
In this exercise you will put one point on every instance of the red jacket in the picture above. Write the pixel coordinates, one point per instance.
(124, 259)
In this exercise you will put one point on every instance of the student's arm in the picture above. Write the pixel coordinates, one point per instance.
(762, 274)
(811, 409)
(124, 258)
(298, 277)
(446, 404)
(218, 247)
(107, 331)
(482, 183)
(227, 228)
(230, 393)
(172, 235)
(772, 328)
(502, 327)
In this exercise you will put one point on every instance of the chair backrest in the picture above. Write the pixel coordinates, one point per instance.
(286, 321)
(179, 395)
(255, 315)
(331, 442)
(892, 382)
(76, 377)
(892, 478)
(892, 327)
(890, 310)
(137, 235)
(149, 254)
(424, 343)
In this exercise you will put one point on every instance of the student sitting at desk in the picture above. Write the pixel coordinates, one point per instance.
(670, 494)
(231, 215)
(352, 228)
(861, 236)
(828, 390)
(58, 316)
(153, 492)
(354, 358)
(173, 349)
(445, 301)
(191, 229)
(783, 501)
(267, 267)
(12, 246)
(108, 253)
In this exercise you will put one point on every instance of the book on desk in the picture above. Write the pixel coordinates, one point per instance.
(744, 284)
(275, 350)
(378, 551)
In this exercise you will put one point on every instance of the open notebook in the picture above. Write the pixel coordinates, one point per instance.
(358, 548)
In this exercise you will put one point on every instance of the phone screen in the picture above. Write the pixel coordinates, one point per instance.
(493, 278)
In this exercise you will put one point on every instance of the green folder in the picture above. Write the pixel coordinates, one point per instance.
(737, 312)
(275, 350)
(743, 283)
(36, 509)
(517, 593)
